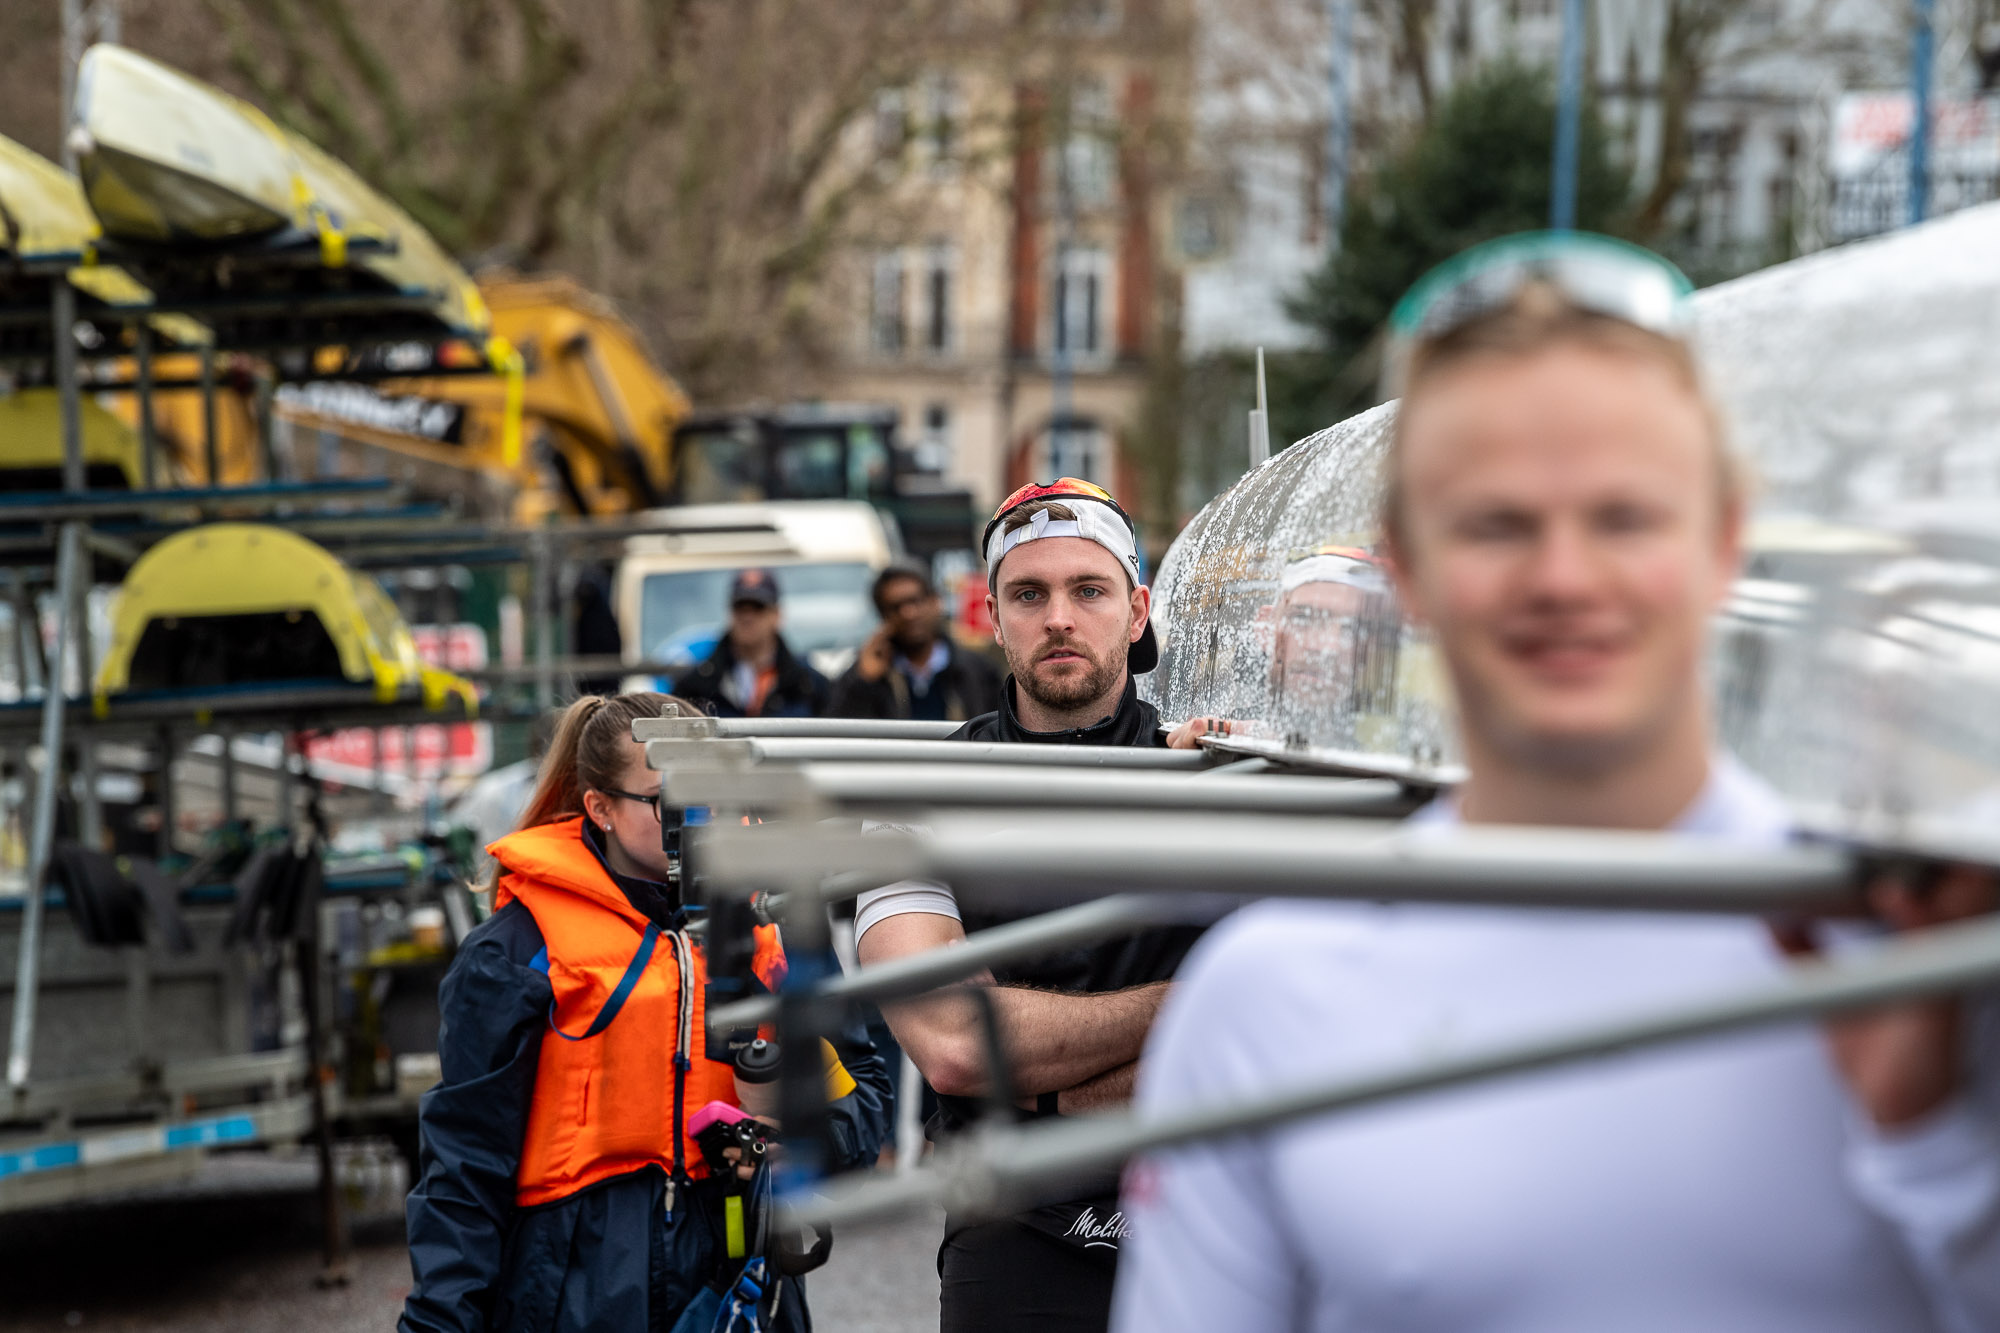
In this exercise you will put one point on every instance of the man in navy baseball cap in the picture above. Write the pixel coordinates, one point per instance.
(753, 672)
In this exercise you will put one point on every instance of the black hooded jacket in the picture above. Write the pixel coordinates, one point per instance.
(1116, 964)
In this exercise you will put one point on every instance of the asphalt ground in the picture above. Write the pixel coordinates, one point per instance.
(238, 1250)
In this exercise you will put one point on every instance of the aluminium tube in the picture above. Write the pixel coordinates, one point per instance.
(996, 1169)
(881, 788)
(149, 434)
(759, 728)
(41, 845)
(1024, 860)
(1068, 927)
(663, 754)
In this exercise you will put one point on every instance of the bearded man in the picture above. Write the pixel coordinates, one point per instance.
(1071, 614)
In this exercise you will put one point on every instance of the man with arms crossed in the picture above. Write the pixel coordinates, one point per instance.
(1071, 615)
(1563, 514)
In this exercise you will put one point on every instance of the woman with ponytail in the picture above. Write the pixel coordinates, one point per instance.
(561, 1187)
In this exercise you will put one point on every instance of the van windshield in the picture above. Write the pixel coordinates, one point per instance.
(682, 614)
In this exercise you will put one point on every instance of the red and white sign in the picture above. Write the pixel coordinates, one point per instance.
(413, 760)
(1869, 128)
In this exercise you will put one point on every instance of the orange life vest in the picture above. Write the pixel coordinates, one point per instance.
(605, 1099)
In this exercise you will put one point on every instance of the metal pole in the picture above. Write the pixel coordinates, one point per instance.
(915, 787)
(72, 52)
(1338, 132)
(1260, 421)
(89, 810)
(210, 447)
(806, 749)
(1569, 117)
(75, 594)
(749, 728)
(1007, 1163)
(21, 1042)
(149, 435)
(1048, 858)
(62, 333)
(1921, 43)
(545, 621)
(1086, 923)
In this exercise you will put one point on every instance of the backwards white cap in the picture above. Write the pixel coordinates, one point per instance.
(1093, 522)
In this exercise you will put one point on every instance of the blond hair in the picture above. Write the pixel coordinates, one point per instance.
(1540, 318)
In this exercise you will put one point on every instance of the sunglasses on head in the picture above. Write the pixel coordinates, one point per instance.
(1599, 274)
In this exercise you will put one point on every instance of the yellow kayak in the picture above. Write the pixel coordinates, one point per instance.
(43, 215)
(168, 160)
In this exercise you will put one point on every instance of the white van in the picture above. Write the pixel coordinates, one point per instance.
(673, 586)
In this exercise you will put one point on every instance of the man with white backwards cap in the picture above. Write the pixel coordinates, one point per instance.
(1071, 615)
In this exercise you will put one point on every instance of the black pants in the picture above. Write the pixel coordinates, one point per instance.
(1003, 1277)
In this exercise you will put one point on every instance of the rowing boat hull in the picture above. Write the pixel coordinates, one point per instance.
(167, 160)
(1857, 665)
(42, 210)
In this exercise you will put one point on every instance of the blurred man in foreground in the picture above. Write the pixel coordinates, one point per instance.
(1072, 616)
(910, 668)
(1563, 513)
(753, 672)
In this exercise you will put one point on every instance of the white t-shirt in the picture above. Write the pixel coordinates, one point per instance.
(1723, 1184)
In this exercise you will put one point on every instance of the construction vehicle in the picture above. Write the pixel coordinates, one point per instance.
(821, 451)
(596, 415)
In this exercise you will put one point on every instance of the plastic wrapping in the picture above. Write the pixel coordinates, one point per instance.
(1857, 665)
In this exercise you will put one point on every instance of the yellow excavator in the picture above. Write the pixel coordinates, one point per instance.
(597, 415)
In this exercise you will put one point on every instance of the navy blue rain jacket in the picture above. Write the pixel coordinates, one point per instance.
(607, 1258)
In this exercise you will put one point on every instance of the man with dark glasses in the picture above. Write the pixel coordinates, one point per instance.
(1072, 616)
(1563, 513)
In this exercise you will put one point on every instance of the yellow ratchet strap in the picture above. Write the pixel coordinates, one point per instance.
(308, 209)
(732, 1225)
(503, 357)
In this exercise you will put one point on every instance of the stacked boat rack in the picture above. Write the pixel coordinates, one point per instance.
(159, 1008)
(1098, 842)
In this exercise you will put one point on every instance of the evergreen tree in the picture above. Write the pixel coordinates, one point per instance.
(1481, 168)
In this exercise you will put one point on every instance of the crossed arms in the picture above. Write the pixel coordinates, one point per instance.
(1084, 1048)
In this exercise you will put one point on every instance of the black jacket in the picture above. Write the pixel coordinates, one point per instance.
(606, 1257)
(968, 683)
(799, 691)
(1151, 955)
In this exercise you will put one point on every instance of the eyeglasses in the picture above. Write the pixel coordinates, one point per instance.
(1062, 488)
(643, 799)
(1600, 274)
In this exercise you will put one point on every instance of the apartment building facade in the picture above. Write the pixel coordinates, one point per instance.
(1016, 292)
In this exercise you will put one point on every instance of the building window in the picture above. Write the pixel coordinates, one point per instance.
(1086, 168)
(1079, 448)
(891, 123)
(939, 262)
(941, 117)
(885, 304)
(934, 444)
(1198, 227)
(1078, 304)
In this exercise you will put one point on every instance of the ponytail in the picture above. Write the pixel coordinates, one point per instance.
(588, 750)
